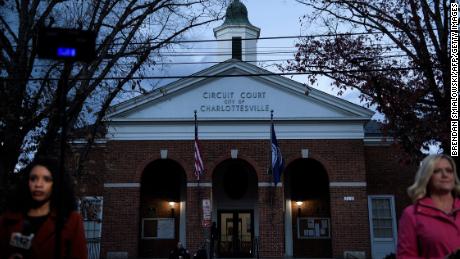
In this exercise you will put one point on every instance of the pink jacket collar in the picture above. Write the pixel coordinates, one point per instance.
(426, 205)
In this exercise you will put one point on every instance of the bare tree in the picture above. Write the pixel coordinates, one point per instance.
(395, 52)
(130, 37)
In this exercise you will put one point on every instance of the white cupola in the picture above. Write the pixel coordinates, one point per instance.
(234, 33)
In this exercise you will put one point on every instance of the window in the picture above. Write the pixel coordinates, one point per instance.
(382, 223)
(158, 228)
(90, 208)
(91, 211)
(236, 48)
(382, 220)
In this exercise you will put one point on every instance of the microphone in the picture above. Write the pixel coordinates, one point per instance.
(21, 241)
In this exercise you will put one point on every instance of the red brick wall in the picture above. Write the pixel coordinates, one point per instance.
(90, 181)
(120, 227)
(387, 176)
(350, 221)
(343, 160)
(271, 222)
(196, 233)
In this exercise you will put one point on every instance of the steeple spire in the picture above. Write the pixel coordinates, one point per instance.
(236, 14)
(236, 30)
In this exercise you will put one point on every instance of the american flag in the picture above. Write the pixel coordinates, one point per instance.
(199, 167)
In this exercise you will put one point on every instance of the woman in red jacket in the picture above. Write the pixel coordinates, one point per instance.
(430, 228)
(42, 210)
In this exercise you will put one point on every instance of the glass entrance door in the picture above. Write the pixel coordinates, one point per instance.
(235, 233)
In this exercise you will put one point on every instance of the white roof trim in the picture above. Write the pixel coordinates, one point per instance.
(378, 141)
(217, 119)
(219, 69)
(235, 130)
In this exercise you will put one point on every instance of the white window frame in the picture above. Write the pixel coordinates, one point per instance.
(94, 241)
(97, 215)
(393, 216)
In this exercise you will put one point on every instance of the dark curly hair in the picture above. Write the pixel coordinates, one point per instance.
(62, 196)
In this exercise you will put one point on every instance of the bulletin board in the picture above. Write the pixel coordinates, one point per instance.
(158, 228)
(313, 228)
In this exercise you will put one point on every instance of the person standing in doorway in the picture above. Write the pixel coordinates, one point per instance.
(430, 228)
(214, 236)
(179, 252)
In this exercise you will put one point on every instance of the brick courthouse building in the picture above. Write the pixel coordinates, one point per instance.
(341, 192)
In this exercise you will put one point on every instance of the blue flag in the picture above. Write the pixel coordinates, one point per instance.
(277, 158)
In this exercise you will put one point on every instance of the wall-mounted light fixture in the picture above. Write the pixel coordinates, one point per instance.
(172, 205)
(299, 205)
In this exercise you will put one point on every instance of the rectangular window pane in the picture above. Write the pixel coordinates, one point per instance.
(236, 48)
(382, 222)
(381, 208)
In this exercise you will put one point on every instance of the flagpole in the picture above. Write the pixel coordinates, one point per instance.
(197, 173)
(270, 155)
(195, 139)
(200, 201)
(271, 188)
(205, 229)
(270, 150)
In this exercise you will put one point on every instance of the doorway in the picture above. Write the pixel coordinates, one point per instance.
(308, 208)
(162, 195)
(234, 192)
(236, 233)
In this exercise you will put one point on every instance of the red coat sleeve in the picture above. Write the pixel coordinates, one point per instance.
(3, 238)
(78, 240)
(407, 236)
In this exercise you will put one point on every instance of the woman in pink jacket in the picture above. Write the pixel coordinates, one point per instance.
(430, 228)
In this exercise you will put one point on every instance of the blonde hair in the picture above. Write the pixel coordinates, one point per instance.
(418, 190)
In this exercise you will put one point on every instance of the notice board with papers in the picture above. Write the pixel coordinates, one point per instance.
(158, 228)
(313, 228)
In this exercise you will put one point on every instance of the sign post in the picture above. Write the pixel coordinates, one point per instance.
(67, 45)
(206, 221)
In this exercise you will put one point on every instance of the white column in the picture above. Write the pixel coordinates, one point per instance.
(288, 228)
(182, 224)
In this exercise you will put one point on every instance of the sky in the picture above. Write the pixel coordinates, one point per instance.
(274, 18)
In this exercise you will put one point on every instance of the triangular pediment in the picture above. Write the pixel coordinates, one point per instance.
(236, 97)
